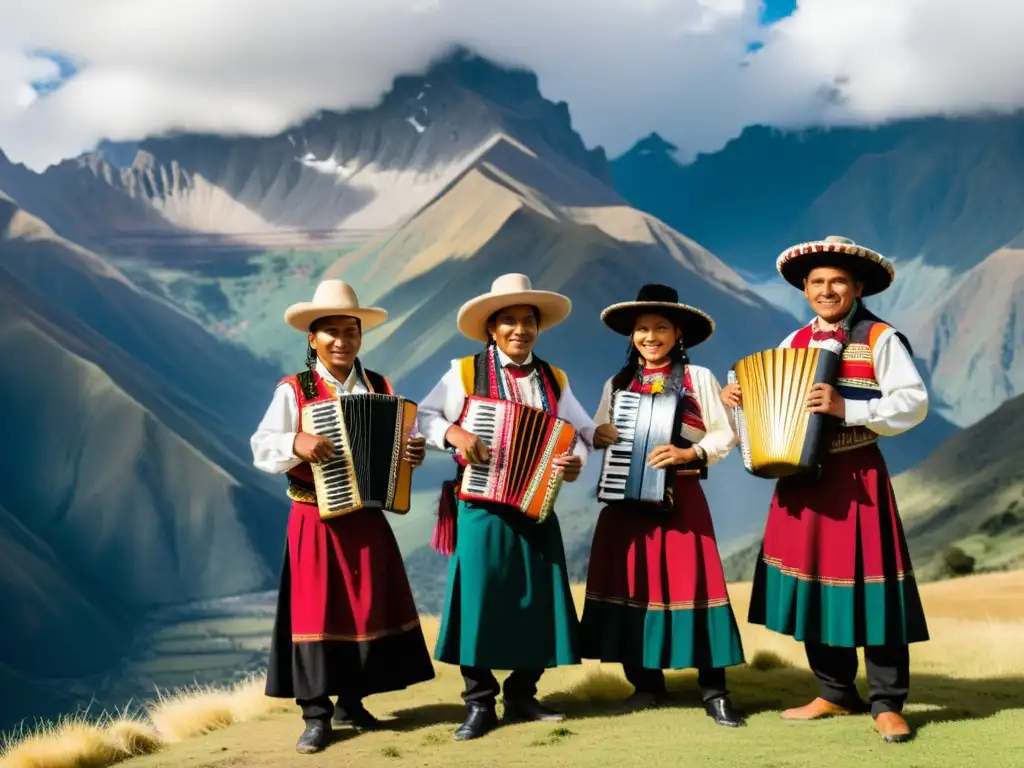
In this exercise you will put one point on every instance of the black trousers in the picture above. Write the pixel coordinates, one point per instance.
(710, 679)
(482, 687)
(888, 668)
(322, 708)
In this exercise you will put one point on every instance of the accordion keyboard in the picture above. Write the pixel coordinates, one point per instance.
(338, 474)
(482, 421)
(619, 454)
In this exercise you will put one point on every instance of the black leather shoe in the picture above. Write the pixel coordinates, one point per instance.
(316, 736)
(720, 710)
(527, 710)
(479, 720)
(356, 716)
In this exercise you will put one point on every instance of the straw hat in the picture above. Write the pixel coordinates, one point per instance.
(333, 297)
(507, 291)
(872, 268)
(696, 326)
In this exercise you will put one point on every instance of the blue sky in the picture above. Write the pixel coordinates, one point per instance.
(773, 10)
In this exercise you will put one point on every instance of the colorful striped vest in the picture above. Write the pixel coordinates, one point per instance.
(855, 379)
(309, 387)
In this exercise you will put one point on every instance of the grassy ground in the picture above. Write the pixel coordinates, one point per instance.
(967, 704)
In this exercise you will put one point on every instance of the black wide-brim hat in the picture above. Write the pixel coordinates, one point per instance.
(696, 326)
(867, 266)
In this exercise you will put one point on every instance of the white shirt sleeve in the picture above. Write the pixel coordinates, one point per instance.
(570, 410)
(274, 437)
(904, 401)
(720, 436)
(604, 408)
(442, 407)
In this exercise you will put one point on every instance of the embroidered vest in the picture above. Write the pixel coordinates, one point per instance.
(855, 379)
(478, 378)
(309, 387)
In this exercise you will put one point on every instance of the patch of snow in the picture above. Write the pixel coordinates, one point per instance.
(329, 166)
(413, 122)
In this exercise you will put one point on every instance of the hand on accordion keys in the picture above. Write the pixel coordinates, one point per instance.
(415, 449)
(471, 447)
(823, 398)
(571, 465)
(605, 435)
(669, 455)
(312, 448)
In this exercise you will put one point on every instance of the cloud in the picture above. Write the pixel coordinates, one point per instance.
(626, 67)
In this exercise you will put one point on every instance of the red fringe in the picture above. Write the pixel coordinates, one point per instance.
(444, 537)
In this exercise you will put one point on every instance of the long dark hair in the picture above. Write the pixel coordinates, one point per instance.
(634, 361)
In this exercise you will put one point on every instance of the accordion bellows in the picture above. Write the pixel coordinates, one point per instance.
(368, 469)
(778, 435)
(523, 442)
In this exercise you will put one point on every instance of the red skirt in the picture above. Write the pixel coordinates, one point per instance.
(835, 567)
(656, 592)
(347, 623)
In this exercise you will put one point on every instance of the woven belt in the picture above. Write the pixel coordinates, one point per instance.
(849, 438)
(299, 493)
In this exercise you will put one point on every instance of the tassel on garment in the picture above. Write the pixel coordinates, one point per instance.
(443, 540)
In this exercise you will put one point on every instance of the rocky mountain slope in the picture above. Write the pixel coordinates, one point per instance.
(943, 189)
(366, 169)
(127, 483)
(969, 494)
(973, 337)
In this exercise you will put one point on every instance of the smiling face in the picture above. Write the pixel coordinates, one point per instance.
(515, 330)
(337, 341)
(654, 336)
(831, 292)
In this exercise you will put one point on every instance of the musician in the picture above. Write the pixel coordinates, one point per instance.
(508, 604)
(834, 571)
(346, 622)
(656, 596)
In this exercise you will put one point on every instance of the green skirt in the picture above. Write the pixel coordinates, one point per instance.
(508, 604)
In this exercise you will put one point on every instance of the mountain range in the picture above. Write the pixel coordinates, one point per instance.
(144, 285)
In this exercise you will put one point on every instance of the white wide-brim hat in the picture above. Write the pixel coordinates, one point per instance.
(507, 291)
(333, 297)
(872, 268)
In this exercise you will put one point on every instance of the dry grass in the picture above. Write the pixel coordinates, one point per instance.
(967, 680)
(81, 742)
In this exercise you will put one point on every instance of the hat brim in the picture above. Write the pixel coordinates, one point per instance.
(869, 267)
(473, 316)
(696, 326)
(302, 315)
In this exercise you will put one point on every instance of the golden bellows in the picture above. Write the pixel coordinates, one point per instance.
(778, 435)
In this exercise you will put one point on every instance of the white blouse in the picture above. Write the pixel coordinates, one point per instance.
(272, 442)
(719, 436)
(443, 406)
(904, 401)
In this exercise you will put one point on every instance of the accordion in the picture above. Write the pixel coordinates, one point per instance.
(522, 441)
(368, 469)
(643, 422)
(778, 435)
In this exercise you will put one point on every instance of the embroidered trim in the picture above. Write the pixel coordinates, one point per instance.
(321, 636)
(829, 581)
(718, 602)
